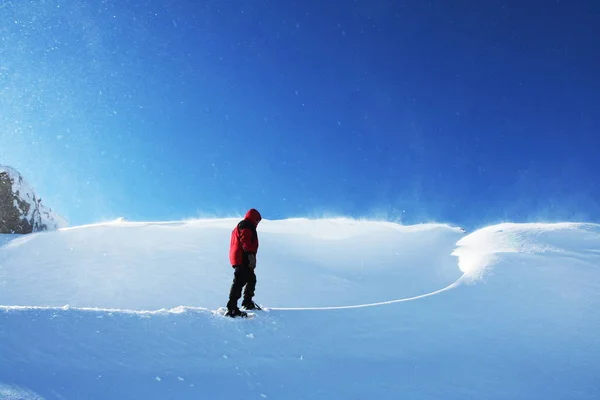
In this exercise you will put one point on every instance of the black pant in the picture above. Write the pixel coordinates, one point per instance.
(243, 275)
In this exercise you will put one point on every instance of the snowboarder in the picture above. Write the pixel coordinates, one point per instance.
(242, 254)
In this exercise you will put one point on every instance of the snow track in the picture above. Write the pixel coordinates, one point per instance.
(380, 303)
(182, 309)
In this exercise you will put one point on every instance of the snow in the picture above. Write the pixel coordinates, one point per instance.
(355, 310)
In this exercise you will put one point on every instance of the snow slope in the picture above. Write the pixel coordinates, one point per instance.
(120, 310)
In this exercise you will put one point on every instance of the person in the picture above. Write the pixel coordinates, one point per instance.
(242, 255)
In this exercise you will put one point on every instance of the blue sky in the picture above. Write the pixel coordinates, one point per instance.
(415, 111)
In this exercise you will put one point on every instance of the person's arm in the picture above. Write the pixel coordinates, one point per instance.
(246, 240)
(249, 246)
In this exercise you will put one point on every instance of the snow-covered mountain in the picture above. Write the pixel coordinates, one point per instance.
(356, 310)
(21, 209)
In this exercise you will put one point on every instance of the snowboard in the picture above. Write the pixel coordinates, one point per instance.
(221, 311)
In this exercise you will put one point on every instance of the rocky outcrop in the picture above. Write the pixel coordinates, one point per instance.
(21, 210)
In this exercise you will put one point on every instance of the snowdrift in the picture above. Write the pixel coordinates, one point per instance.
(121, 310)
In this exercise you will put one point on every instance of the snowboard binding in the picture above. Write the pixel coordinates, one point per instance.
(250, 305)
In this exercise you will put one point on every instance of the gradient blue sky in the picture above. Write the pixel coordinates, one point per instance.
(470, 112)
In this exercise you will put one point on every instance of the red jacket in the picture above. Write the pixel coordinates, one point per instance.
(244, 239)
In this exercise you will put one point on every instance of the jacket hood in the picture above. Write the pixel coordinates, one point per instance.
(253, 215)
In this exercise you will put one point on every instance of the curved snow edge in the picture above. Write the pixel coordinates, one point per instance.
(183, 309)
(480, 250)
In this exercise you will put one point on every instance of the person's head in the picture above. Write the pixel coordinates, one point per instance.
(253, 216)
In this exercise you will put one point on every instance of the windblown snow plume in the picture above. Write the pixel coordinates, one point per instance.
(21, 210)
